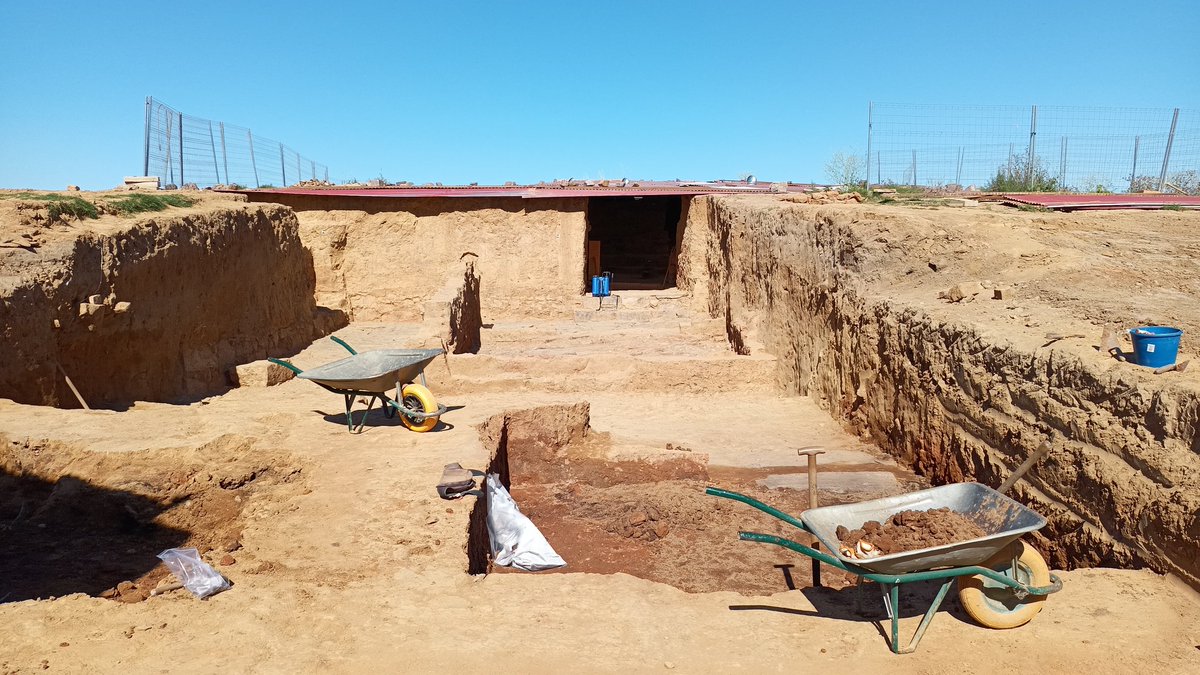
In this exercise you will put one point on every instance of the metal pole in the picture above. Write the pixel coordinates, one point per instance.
(958, 173)
(1062, 166)
(224, 155)
(282, 166)
(326, 174)
(1162, 177)
(1029, 162)
(914, 168)
(181, 150)
(878, 169)
(168, 158)
(212, 143)
(299, 175)
(870, 114)
(252, 164)
(313, 168)
(1133, 172)
(146, 145)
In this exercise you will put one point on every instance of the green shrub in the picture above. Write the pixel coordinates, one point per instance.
(141, 203)
(1022, 174)
(70, 206)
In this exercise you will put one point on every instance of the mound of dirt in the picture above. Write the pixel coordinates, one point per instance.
(912, 531)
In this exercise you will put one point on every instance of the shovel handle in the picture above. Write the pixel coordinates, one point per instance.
(1042, 451)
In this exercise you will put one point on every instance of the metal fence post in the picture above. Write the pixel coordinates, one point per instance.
(254, 166)
(878, 169)
(1062, 166)
(914, 168)
(1029, 162)
(1133, 172)
(282, 166)
(180, 150)
(299, 173)
(146, 145)
(224, 155)
(168, 157)
(870, 113)
(326, 174)
(213, 144)
(1162, 177)
(958, 173)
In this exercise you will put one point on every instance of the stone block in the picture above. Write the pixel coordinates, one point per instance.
(260, 374)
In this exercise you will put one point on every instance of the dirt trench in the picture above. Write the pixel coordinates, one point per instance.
(155, 308)
(814, 286)
(647, 516)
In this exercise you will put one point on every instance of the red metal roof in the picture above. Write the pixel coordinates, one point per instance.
(544, 191)
(1096, 201)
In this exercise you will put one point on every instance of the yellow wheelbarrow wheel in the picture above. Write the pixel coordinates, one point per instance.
(416, 397)
(994, 605)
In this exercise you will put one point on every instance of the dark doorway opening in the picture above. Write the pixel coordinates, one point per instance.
(637, 238)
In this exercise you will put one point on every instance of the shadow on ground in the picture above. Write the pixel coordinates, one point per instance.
(846, 604)
(70, 536)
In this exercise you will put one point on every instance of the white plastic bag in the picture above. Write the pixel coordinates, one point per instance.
(196, 575)
(515, 540)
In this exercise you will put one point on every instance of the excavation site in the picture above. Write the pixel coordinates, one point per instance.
(406, 426)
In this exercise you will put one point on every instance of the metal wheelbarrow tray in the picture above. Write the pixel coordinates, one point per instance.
(1002, 519)
(372, 374)
(1002, 591)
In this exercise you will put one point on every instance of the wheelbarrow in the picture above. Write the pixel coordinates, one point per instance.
(371, 375)
(1001, 581)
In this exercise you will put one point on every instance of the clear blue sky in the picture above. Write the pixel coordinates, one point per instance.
(487, 91)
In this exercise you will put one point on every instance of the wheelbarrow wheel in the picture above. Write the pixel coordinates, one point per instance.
(994, 605)
(416, 397)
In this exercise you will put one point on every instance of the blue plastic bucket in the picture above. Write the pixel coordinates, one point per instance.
(1155, 346)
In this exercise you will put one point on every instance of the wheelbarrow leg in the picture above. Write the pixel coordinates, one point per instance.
(349, 417)
(350, 398)
(891, 601)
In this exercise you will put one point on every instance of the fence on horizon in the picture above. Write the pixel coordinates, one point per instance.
(1040, 147)
(182, 149)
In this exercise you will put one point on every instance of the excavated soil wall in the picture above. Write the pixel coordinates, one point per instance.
(1122, 487)
(157, 309)
(382, 259)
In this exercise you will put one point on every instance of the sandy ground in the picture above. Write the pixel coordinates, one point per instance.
(353, 563)
(364, 567)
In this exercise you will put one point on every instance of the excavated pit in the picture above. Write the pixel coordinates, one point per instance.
(77, 521)
(832, 293)
(645, 515)
(846, 300)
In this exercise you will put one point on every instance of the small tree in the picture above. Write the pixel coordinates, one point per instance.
(1144, 183)
(1022, 174)
(845, 169)
(1188, 181)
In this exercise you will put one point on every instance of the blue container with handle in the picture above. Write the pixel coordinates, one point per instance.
(602, 285)
(1155, 346)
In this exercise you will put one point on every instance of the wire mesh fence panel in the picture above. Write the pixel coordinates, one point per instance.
(182, 149)
(1010, 148)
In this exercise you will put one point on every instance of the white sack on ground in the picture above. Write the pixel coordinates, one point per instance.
(515, 540)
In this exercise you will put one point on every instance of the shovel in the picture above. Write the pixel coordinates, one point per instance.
(1034, 458)
(1112, 344)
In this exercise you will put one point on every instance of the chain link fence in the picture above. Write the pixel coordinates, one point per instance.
(182, 149)
(1042, 148)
